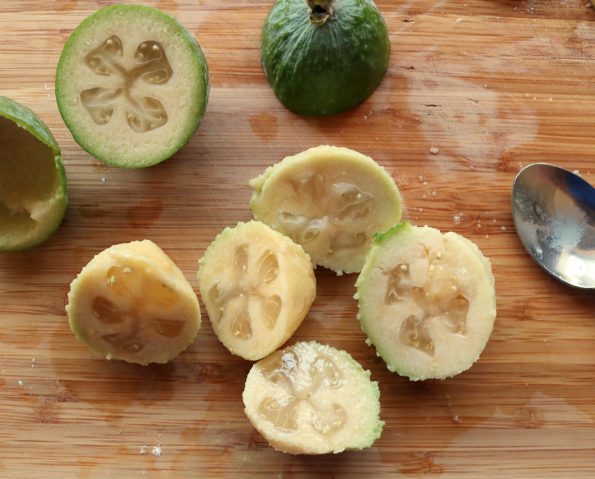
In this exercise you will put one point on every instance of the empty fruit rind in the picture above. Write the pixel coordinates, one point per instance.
(131, 85)
(132, 302)
(426, 301)
(313, 399)
(257, 286)
(331, 201)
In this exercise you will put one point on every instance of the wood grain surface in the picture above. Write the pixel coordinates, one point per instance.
(494, 84)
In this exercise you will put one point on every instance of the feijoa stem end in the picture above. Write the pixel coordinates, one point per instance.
(321, 11)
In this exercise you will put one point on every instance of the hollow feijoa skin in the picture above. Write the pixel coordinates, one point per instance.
(131, 302)
(132, 85)
(427, 301)
(323, 57)
(311, 398)
(33, 191)
(257, 286)
(331, 201)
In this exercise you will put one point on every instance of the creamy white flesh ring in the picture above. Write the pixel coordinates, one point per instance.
(427, 301)
(313, 399)
(132, 302)
(257, 286)
(331, 201)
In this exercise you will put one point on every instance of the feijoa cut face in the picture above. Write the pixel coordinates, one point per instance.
(131, 85)
(331, 201)
(257, 286)
(33, 191)
(131, 302)
(311, 398)
(427, 301)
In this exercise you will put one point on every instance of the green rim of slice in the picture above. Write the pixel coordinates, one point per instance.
(33, 189)
(132, 85)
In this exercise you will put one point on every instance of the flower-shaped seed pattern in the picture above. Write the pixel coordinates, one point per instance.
(247, 287)
(451, 308)
(282, 368)
(143, 113)
(343, 204)
(127, 328)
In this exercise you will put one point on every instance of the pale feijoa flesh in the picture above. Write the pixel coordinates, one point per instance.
(131, 302)
(257, 286)
(331, 201)
(33, 195)
(311, 398)
(427, 301)
(132, 85)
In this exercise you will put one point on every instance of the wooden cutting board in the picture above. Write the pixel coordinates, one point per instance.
(494, 85)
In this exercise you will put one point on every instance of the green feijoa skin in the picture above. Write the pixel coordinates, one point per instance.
(323, 57)
(33, 192)
(132, 85)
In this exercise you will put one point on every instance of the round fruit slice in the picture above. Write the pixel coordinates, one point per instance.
(257, 286)
(331, 201)
(313, 399)
(33, 194)
(132, 302)
(426, 301)
(131, 85)
(323, 57)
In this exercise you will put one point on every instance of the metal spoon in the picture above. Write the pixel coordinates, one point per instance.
(554, 215)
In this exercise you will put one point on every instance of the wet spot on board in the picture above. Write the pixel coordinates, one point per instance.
(144, 213)
(2, 382)
(170, 6)
(64, 6)
(264, 126)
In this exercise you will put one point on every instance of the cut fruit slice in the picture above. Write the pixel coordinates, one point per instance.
(331, 201)
(132, 85)
(257, 286)
(33, 194)
(132, 302)
(313, 399)
(426, 301)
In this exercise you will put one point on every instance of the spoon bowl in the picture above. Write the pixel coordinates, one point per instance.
(554, 214)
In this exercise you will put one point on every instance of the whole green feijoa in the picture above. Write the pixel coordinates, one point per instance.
(323, 57)
(132, 85)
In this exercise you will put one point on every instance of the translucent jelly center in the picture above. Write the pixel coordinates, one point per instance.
(128, 327)
(283, 368)
(143, 113)
(246, 286)
(344, 214)
(445, 304)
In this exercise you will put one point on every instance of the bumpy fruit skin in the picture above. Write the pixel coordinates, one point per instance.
(329, 68)
(171, 147)
(27, 119)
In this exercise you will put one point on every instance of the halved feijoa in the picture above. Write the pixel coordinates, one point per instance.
(426, 301)
(323, 57)
(33, 194)
(257, 286)
(311, 398)
(132, 302)
(132, 85)
(331, 201)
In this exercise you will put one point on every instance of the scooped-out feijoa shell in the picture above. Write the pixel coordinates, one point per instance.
(427, 301)
(33, 190)
(132, 85)
(311, 398)
(131, 302)
(331, 201)
(323, 57)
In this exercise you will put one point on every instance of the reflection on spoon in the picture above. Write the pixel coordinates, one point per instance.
(554, 215)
